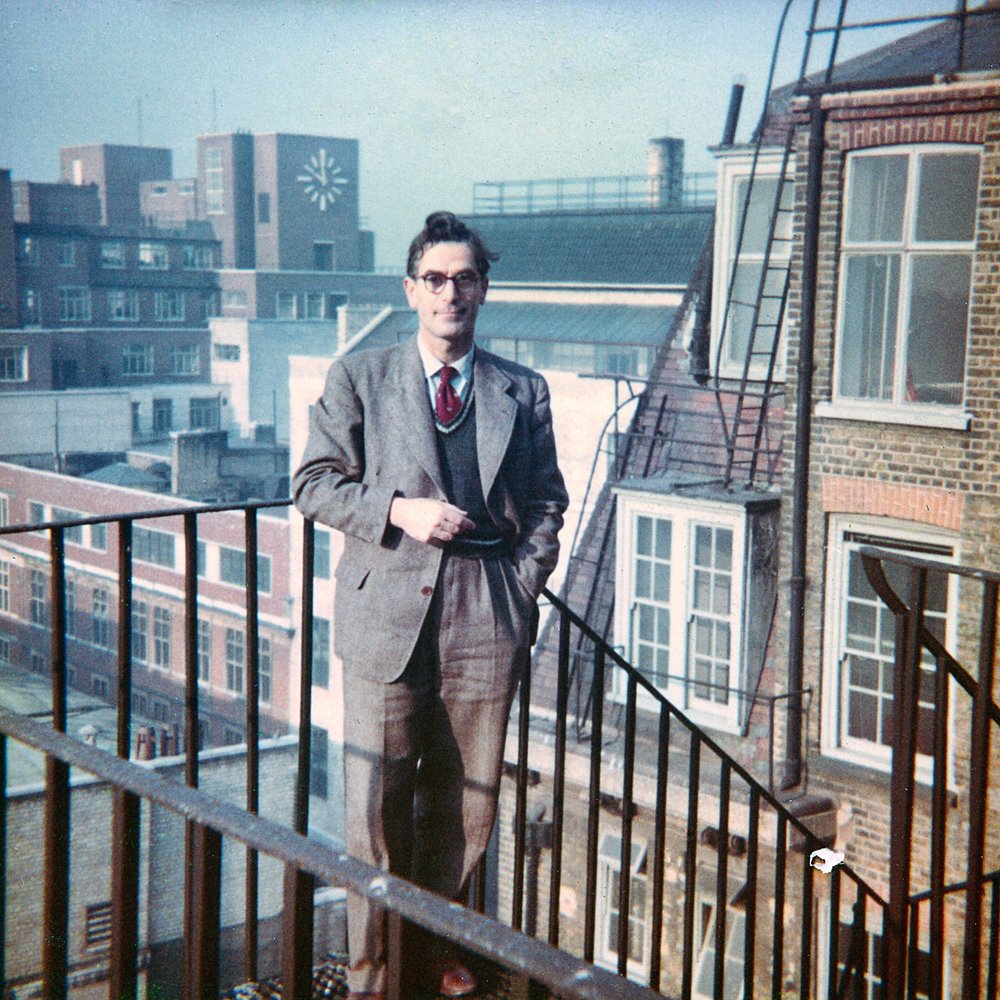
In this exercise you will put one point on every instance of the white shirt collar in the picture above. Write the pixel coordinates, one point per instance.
(432, 365)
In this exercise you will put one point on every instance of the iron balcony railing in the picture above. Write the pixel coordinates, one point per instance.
(727, 899)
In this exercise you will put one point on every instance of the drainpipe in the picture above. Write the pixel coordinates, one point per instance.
(800, 473)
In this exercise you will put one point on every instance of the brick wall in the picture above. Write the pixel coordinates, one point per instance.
(913, 475)
(161, 860)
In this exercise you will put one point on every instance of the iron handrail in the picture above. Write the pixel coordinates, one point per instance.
(639, 680)
(559, 971)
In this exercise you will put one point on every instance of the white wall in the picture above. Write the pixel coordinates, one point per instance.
(90, 420)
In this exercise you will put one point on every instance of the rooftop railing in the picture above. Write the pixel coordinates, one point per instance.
(574, 194)
(729, 896)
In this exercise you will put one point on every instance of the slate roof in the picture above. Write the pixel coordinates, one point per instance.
(642, 326)
(614, 324)
(123, 474)
(930, 50)
(612, 247)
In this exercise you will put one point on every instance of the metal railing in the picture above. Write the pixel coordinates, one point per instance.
(965, 720)
(569, 194)
(722, 845)
(728, 885)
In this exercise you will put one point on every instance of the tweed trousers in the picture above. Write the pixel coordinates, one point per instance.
(423, 754)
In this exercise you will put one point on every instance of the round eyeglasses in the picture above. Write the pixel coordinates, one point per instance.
(434, 281)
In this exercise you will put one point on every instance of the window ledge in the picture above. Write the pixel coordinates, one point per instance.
(951, 418)
(857, 763)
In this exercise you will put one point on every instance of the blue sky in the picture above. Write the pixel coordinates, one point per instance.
(439, 94)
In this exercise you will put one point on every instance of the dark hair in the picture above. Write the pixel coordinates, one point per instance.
(446, 227)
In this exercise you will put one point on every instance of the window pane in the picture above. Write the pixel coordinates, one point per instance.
(939, 309)
(661, 582)
(663, 532)
(948, 186)
(642, 577)
(875, 200)
(868, 331)
(758, 218)
(862, 716)
(644, 536)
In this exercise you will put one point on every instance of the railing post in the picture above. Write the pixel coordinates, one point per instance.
(905, 694)
(125, 806)
(594, 804)
(297, 926)
(202, 972)
(55, 904)
(252, 741)
(979, 768)
(124, 894)
(190, 723)
(559, 777)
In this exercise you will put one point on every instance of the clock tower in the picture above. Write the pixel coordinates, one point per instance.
(306, 202)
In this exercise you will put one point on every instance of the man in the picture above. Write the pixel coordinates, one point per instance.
(437, 461)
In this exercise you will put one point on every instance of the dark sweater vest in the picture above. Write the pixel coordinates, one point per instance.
(460, 467)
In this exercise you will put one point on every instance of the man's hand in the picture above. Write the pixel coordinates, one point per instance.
(432, 522)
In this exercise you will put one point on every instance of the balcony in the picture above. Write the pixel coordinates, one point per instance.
(725, 896)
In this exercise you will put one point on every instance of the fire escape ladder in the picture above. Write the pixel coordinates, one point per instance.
(748, 404)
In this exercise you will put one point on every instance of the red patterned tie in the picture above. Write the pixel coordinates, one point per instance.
(448, 404)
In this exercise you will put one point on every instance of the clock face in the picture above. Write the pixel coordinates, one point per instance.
(322, 179)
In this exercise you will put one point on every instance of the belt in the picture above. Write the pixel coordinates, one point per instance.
(479, 548)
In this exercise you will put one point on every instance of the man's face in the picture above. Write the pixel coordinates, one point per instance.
(447, 317)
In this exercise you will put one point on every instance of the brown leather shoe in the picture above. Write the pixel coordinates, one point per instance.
(457, 981)
(355, 995)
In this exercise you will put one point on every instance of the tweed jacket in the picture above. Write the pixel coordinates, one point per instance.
(372, 438)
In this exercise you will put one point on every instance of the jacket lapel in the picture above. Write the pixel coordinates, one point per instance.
(496, 411)
(413, 418)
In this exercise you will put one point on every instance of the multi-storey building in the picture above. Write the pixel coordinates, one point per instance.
(29, 496)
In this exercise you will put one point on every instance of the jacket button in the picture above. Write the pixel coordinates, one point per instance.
(427, 591)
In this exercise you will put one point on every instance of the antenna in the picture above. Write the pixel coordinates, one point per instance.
(215, 111)
(138, 115)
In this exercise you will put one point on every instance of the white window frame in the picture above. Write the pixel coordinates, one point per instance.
(706, 906)
(4, 510)
(153, 256)
(112, 254)
(100, 618)
(685, 515)
(236, 660)
(123, 305)
(4, 585)
(310, 302)
(74, 304)
(214, 181)
(265, 672)
(154, 547)
(162, 637)
(609, 865)
(286, 305)
(234, 299)
(139, 632)
(32, 300)
(65, 252)
(14, 364)
(198, 257)
(898, 409)
(204, 651)
(733, 171)
(226, 352)
(137, 359)
(873, 927)
(833, 741)
(169, 305)
(185, 359)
